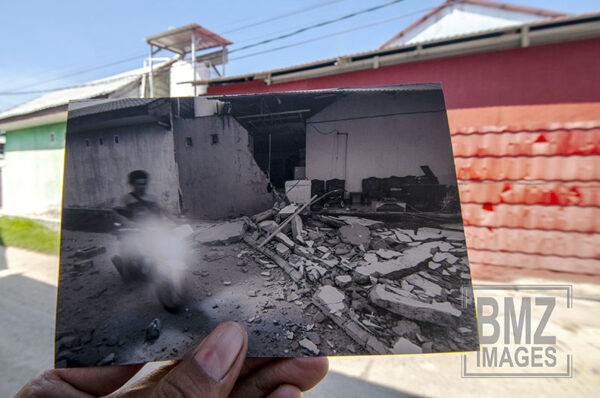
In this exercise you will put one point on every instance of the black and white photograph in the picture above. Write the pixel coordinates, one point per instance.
(326, 222)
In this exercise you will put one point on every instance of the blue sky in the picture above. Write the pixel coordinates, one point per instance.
(47, 45)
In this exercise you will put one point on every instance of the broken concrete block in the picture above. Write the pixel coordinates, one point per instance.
(309, 345)
(433, 265)
(268, 226)
(331, 298)
(429, 287)
(329, 262)
(355, 234)
(341, 249)
(406, 328)
(406, 264)
(221, 234)
(297, 229)
(323, 249)
(282, 250)
(153, 330)
(424, 234)
(365, 222)
(404, 346)
(449, 258)
(287, 211)
(285, 240)
(302, 251)
(251, 293)
(388, 254)
(453, 236)
(315, 272)
(343, 281)
(438, 313)
(262, 216)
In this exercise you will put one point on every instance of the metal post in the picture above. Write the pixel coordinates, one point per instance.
(194, 61)
(151, 75)
(223, 49)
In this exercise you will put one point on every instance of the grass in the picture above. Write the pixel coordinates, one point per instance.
(28, 234)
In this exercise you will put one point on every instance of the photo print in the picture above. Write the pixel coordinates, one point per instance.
(326, 222)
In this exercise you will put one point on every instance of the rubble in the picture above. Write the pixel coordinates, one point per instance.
(287, 211)
(331, 298)
(269, 226)
(89, 252)
(221, 234)
(297, 229)
(309, 345)
(343, 281)
(404, 346)
(153, 330)
(355, 234)
(447, 257)
(412, 308)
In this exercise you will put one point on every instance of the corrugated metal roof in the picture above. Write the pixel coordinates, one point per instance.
(83, 108)
(89, 90)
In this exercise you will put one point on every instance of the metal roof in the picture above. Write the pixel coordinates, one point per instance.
(543, 32)
(179, 40)
(89, 90)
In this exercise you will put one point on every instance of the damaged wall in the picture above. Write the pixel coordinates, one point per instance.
(218, 179)
(97, 164)
(391, 145)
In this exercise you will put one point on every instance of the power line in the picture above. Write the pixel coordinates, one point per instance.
(281, 16)
(329, 35)
(318, 25)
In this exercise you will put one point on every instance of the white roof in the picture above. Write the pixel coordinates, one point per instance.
(460, 17)
(92, 89)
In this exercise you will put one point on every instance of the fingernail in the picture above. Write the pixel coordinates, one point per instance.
(219, 350)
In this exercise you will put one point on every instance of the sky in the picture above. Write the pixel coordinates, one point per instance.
(53, 44)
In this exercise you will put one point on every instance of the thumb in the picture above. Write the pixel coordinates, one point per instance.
(212, 369)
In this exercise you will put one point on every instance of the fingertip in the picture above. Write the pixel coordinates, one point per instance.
(286, 391)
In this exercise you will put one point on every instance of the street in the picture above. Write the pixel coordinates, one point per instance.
(28, 302)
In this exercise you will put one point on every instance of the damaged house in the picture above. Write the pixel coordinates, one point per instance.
(326, 221)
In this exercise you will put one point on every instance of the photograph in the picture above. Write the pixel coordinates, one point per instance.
(327, 222)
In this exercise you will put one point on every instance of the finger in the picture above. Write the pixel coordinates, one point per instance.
(98, 380)
(212, 368)
(304, 373)
(50, 385)
(145, 385)
(252, 363)
(286, 391)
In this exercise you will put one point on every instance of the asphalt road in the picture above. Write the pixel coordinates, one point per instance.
(27, 308)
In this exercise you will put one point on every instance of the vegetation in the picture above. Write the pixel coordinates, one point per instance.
(28, 234)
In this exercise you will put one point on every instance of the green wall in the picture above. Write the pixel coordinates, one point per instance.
(32, 175)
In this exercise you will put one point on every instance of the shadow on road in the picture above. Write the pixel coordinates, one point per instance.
(339, 385)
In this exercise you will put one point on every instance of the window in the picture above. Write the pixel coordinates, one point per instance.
(188, 141)
(214, 139)
(51, 137)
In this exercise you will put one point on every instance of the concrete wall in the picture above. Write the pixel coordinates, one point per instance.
(33, 171)
(96, 175)
(218, 180)
(414, 132)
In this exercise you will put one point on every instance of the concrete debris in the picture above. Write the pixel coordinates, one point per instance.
(265, 215)
(315, 272)
(355, 234)
(285, 240)
(282, 250)
(297, 229)
(83, 266)
(331, 298)
(453, 236)
(404, 346)
(465, 275)
(438, 313)
(433, 265)
(309, 345)
(406, 264)
(289, 335)
(265, 273)
(430, 288)
(268, 226)
(388, 254)
(464, 331)
(343, 281)
(447, 257)
(365, 222)
(221, 234)
(287, 211)
(406, 328)
(251, 293)
(402, 237)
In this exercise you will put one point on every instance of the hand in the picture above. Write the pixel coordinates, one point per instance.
(218, 367)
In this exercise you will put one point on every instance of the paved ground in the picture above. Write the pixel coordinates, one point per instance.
(28, 301)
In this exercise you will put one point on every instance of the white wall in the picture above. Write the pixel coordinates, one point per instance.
(182, 71)
(393, 145)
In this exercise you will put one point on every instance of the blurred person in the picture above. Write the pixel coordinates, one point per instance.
(217, 367)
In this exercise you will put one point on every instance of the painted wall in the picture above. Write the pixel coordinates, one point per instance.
(33, 171)
(221, 179)
(96, 173)
(413, 132)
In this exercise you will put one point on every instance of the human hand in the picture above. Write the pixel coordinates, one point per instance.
(218, 367)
